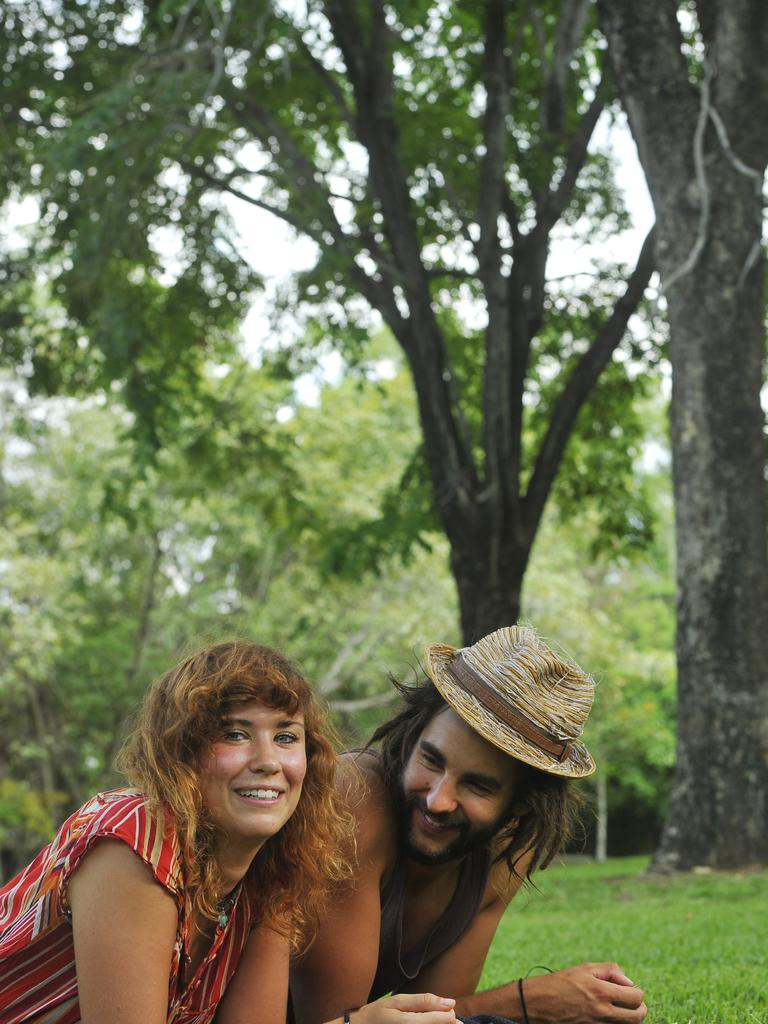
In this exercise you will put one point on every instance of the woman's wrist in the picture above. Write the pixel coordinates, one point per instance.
(346, 1017)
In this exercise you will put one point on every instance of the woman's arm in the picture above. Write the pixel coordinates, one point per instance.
(339, 967)
(258, 993)
(124, 925)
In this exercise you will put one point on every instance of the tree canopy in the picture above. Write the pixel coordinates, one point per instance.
(432, 152)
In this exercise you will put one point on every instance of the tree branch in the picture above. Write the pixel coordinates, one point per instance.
(453, 197)
(532, 249)
(389, 273)
(221, 185)
(457, 273)
(580, 384)
(538, 32)
(378, 293)
(245, 172)
(355, 651)
(500, 411)
(268, 126)
(557, 199)
(513, 220)
(369, 68)
(363, 703)
(570, 26)
(492, 185)
(325, 76)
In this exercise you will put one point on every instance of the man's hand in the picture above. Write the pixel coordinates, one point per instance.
(585, 994)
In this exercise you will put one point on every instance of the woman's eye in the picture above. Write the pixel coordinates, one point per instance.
(287, 737)
(234, 735)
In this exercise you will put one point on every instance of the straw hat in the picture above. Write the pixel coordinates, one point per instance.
(520, 696)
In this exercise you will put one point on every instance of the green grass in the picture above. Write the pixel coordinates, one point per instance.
(696, 944)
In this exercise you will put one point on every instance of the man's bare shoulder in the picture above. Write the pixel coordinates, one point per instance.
(360, 783)
(503, 883)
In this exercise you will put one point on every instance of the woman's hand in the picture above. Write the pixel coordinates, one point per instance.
(406, 1008)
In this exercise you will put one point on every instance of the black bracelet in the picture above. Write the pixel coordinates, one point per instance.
(522, 1001)
(347, 1013)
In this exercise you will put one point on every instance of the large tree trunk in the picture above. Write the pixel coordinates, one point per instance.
(490, 524)
(706, 190)
(719, 811)
(489, 580)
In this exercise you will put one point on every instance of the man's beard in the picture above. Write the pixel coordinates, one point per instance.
(467, 839)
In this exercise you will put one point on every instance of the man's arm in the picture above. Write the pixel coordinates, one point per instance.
(585, 994)
(456, 972)
(337, 971)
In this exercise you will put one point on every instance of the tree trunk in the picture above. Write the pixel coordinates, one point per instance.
(719, 807)
(489, 515)
(489, 580)
(143, 626)
(601, 829)
(490, 524)
(704, 153)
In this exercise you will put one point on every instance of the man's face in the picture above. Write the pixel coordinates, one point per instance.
(457, 790)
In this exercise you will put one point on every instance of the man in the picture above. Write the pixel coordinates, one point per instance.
(467, 793)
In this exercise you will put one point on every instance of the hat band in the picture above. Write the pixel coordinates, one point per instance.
(470, 681)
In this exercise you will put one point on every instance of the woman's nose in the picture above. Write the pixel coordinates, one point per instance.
(263, 759)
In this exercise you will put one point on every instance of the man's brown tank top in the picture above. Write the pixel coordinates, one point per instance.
(396, 967)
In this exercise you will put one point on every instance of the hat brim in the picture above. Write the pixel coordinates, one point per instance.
(577, 765)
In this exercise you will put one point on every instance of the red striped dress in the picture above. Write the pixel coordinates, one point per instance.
(38, 983)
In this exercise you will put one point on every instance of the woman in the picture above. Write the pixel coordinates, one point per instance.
(139, 910)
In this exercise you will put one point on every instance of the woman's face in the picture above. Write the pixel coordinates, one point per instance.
(251, 776)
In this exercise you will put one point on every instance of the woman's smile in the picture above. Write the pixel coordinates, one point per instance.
(261, 795)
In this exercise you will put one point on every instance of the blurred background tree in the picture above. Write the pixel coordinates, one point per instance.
(432, 154)
(484, 452)
(111, 568)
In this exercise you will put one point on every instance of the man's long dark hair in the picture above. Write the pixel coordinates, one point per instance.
(551, 815)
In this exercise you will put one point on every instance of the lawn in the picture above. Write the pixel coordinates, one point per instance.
(696, 944)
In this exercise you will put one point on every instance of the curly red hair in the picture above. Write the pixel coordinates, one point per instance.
(289, 880)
